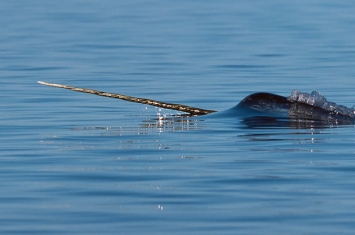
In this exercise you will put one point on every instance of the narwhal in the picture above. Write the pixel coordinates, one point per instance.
(258, 106)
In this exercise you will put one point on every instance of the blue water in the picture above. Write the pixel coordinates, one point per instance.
(73, 163)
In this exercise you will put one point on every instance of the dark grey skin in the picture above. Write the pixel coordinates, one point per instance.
(266, 110)
(258, 108)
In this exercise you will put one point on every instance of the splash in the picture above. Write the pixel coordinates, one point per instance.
(318, 100)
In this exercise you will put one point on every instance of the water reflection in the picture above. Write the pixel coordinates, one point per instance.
(182, 133)
(172, 123)
(150, 124)
(293, 123)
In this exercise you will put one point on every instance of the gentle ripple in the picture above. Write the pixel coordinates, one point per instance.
(81, 164)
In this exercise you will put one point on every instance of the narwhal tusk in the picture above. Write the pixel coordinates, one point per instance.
(179, 107)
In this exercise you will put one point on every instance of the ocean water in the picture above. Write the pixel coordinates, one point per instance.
(74, 163)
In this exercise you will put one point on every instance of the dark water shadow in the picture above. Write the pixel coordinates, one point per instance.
(266, 122)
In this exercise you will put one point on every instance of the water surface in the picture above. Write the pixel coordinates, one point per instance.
(80, 164)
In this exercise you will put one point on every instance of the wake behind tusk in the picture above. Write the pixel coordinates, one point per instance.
(179, 107)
